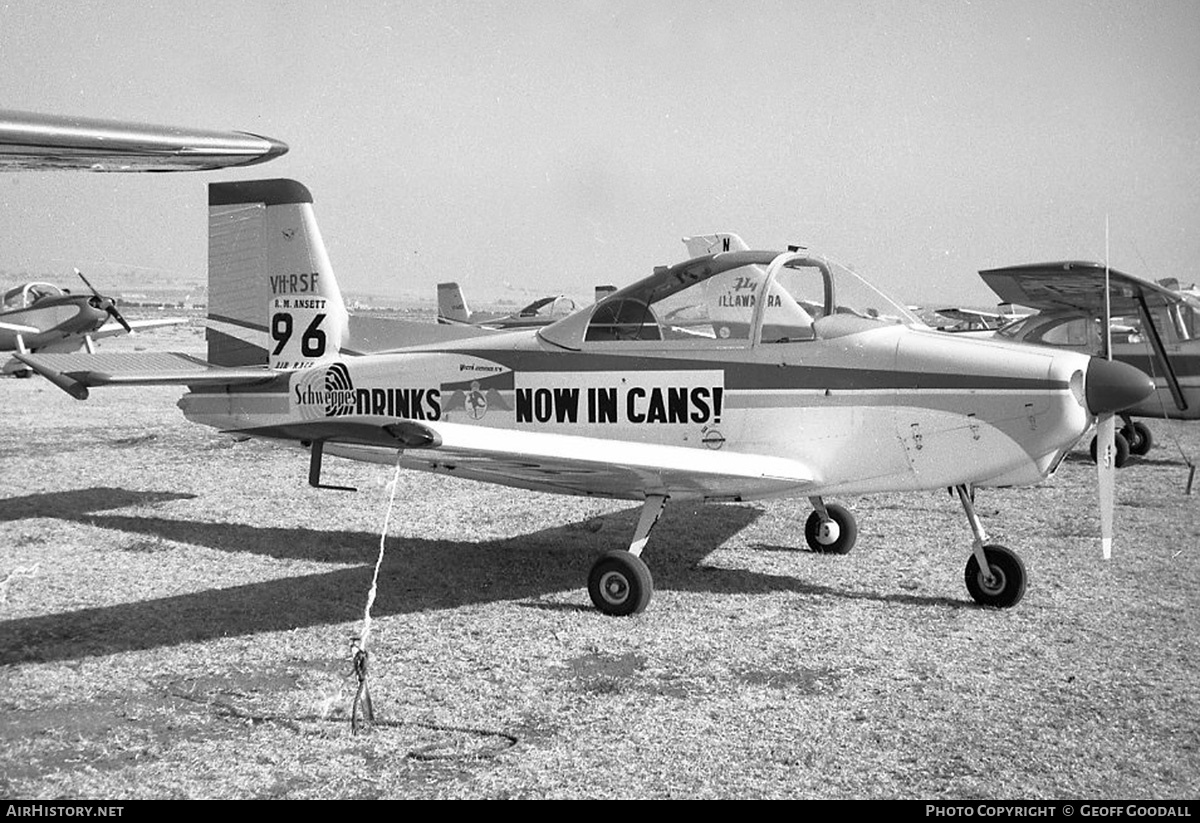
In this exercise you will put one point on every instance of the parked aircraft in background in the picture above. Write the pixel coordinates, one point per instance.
(972, 320)
(48, 142)
(615, 400)
(41, 317)
(1154, 327)
(453, 310)
(701, 244)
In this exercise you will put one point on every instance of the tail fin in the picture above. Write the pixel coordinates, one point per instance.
(703, 244)
(604, 291)
(272, 295)
(452, 305)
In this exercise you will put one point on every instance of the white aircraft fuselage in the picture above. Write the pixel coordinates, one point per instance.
(871, 407)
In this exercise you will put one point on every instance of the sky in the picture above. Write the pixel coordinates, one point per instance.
(546, 147)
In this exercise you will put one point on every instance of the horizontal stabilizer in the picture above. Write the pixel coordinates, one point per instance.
(77, 371)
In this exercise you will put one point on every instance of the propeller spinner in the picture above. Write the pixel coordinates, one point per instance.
(109, 305)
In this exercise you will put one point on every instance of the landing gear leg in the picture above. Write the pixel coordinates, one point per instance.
(1137, 434)
(995, 575)
(620, 583)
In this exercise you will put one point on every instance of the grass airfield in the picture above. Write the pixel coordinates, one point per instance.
(177, 609)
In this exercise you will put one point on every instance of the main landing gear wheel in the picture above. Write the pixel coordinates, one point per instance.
(834, 536)
(1121, 455)
(620, 584)
(1138, 436)
(1006, 585)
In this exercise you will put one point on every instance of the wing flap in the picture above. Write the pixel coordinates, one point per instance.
(570, 463)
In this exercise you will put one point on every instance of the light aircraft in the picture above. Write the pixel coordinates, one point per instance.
(47, 142)
(41, 317)
(974, 320)
(453, 310)
(614, 401)
(1153, 326)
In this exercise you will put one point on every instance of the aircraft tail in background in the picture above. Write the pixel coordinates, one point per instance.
(452, 304)
(703, 244)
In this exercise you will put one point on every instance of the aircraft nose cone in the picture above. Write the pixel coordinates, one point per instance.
(1113, 386)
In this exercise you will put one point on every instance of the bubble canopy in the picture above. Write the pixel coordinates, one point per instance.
(737, 298)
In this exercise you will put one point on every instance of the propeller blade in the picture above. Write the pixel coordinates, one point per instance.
(1106, 428)
(116, 315)
(1106, 457)
(88, 284)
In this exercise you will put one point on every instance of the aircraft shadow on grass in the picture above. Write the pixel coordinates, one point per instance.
(76, 503)
(417, 574)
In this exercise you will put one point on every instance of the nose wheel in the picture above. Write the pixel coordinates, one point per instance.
(1137, 434)
(995, 575)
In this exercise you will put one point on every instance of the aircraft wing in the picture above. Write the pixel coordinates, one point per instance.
(39, 142)
(1074, 285)
(114, 329)
(565, 463)
(969, 315)
(18, 328)
(370, 335)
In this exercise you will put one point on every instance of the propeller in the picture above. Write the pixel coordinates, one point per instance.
(99, 301)
(1106, 431)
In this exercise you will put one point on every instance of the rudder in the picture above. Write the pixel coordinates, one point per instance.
(452, 304)
(702, 244)
(272, 294)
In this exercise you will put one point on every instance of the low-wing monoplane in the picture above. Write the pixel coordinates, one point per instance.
(1153, 326)
(42, 317)
(41, 142)
(453, 310)
(807, 395)
(976, 320)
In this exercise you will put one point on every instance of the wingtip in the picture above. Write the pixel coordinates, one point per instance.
(274, 148)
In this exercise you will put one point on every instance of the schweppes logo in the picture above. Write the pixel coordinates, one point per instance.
(331, 392)
(339, 391)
